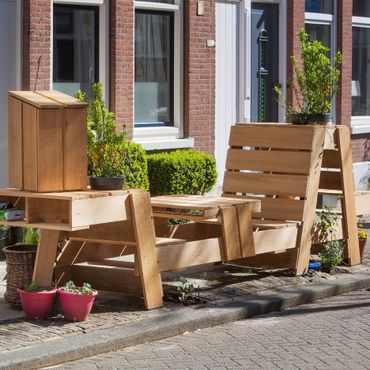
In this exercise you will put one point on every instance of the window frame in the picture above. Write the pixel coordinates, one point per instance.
(163, 137)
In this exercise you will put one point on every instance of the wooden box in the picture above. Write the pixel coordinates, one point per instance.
(47, 138)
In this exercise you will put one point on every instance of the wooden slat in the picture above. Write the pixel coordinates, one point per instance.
(113, 279)
(75, 154)
(47, 210)
(146, 254)
(189, 254)
(272, 136)
(45, 257)
(35, 100)
(44, 225)
(30, 154)
(15, 143)
(331, 159)
(269, 224)
(61, 98)
(268, 161)
(127, 261)
(274, 240)
(286, 185)
(49, 150)
(330, 180)
(230, 229)
(244, 215)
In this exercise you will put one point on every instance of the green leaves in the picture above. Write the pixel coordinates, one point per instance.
(33, 287)
(71, 288)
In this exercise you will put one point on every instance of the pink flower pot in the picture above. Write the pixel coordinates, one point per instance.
(76, 307)
(37, 305)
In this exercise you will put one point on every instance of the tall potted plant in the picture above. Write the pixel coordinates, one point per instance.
(314, 83)
(105, 145)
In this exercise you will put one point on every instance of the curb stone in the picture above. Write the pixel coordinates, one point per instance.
(176, 323)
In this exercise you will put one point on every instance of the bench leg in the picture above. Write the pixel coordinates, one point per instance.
(146, 255)
(45, 257)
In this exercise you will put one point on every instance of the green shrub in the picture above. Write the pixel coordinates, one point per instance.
(181, 172)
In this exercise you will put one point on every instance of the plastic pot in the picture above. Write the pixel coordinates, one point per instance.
(37, 305)
(76, 307)
(106, 183)
(362, 243)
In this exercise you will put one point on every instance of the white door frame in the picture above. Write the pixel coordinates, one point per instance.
(245, 55)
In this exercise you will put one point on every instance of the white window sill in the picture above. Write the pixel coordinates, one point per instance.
(165, 143)
(360, 125)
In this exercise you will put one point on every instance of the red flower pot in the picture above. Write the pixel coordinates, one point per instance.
(362, 243)
(76, 307)
(37, 305)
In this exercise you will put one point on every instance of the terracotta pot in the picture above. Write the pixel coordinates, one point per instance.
(362, 243)
(76, 307)
(37, 305)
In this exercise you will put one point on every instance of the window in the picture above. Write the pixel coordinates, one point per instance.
(360, 67)
(75, 47)
(153, 68)
(320, 25)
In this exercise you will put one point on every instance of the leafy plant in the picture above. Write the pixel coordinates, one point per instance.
(72, 288)
(30, 236)
(332, 254)
(181, 172)
(186, 292)
(315, 79)
(104, 146)
(33, 287)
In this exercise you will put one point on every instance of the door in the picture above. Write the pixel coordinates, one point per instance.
(227, 78)
(264, 62)
(8, 76)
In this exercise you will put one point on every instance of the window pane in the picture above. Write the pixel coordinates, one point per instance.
(320, 6)
(361, 72)
(319, 32)
(75, 48)
(361, 8)
(153, 67)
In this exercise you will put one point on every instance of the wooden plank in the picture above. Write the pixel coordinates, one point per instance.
(45, 257)
(75, 153)
(50, 150)
(61, 98)
(244, 215)
(146, 254)
(15, 143)
(273, 136)
(309, 211)
(348, 200)
(331, 159)
(94, 210)
(330, 180)
(270, 224)
(274, 240)
(47, 210)
(268, 161)
(36, 100)
(230, 229)
(30, 154)
(286, 185)
(113, 279)
(127, 261)
(188, 254)
(44, 225)
(184, 216)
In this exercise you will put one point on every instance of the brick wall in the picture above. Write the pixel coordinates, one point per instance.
(199, 75)
(36, 44)
(121, 53)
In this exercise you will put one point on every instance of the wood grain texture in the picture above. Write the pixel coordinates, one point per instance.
(230, 229)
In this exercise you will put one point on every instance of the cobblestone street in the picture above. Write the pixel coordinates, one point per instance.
(330, 334)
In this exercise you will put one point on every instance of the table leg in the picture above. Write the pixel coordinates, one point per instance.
(45, 257)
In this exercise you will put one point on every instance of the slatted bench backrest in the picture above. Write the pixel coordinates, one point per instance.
(274, 162)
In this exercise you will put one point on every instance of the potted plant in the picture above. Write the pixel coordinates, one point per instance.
(76, 302)
(314, 82)
(105, 145)
(20, 260)
(36, 302)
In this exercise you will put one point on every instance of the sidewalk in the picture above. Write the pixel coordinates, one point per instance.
(230, 293)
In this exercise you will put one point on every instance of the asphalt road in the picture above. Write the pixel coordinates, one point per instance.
(329, 334)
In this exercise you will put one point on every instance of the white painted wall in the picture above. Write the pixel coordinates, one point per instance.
(227, 78)
(8, 76)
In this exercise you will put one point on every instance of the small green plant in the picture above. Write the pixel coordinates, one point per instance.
(33, 287)
(30, 236)
(315, 79)
(332, 254)
(186, 292)
(70, 287)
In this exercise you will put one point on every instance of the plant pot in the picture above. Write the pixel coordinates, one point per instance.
(310, 119)
(20, 261)
(106, 183)
(362, 243)
(37, 305)
(76, 307)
